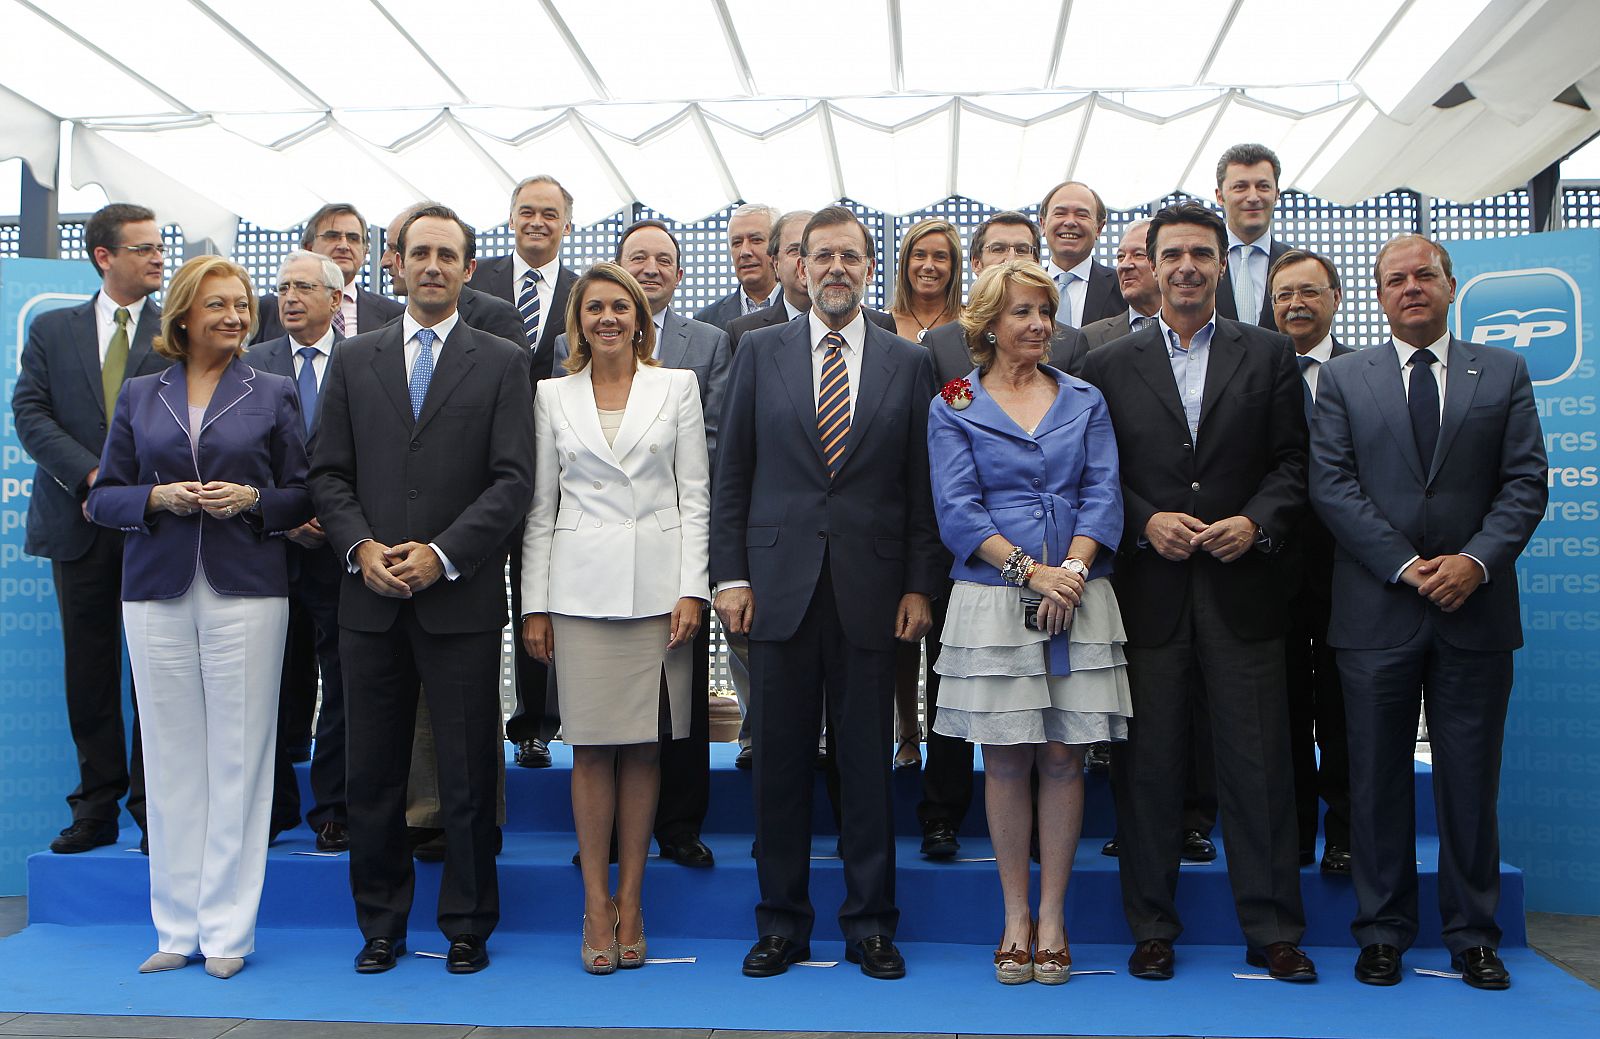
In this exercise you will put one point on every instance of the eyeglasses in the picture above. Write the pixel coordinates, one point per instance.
(1305, 292)
(1021, 249)
(825, 257)
(334, 237)
(141, 251)
(302, 288)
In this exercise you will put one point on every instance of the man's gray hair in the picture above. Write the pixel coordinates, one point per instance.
(761, 209)
(332, 276)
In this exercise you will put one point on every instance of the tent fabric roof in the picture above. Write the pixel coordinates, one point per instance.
(212, 110)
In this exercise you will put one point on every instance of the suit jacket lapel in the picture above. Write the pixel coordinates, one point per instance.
(139, 350)
(1072, 400)
(1461, 385)
(1226, 354)
(455, 361)
(793, 359)
(1154, 367)
(674, 340)
(174, 393)
(576, 393)
(1382, 373)
(877, 375)
(235, 384)
(645, 401)
(389, 365)
(86, 344)
(1096, 291)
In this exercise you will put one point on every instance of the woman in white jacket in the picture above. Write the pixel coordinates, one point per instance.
(614, 583)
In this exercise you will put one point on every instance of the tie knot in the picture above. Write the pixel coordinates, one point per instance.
(833, 341)
(426, 336)
(307, 352)
(533, 277)
(1306, 361)
(1423, 357)
(122, 317)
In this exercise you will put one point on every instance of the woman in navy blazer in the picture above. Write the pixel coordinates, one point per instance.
(203, 469)
(1027, 493)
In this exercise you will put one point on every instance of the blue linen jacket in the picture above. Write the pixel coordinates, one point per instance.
(1039, 491)
(252, 434)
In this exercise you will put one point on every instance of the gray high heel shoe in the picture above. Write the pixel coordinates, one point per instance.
(163, 961)
(224, 966)
(599, 961)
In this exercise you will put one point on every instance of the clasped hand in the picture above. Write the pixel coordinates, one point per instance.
(398, 572)
(1177, 535)
(1445, 581)
(1060, 591)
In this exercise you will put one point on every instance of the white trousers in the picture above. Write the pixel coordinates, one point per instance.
(206, 670)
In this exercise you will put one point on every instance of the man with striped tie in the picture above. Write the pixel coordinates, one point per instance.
(534, 280)
(824, 551)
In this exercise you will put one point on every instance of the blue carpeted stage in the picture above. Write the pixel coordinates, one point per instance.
(90, 929)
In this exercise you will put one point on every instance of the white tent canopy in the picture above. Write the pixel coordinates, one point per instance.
(213, 110)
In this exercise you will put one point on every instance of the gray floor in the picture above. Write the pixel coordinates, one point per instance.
(1570, 942)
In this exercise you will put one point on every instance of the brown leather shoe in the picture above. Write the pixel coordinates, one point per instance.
(1152, 959)
(1284, 961)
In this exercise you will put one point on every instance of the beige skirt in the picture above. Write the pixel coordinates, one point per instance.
(617, 682)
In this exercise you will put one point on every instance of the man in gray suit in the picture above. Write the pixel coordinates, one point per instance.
(749, 229)
(1005, 236)
(339, 232)
(72, 368)
(649, 251)
(1428, 465)
(1136, 277)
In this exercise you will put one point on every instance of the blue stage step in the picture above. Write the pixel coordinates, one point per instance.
(541, 891)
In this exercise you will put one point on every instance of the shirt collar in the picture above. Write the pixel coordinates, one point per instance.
(1323, 351)
(790, 309)
(349, 291)
(323, 345)
(1081, 270)
(853, 333)
(106, 308)
(1201, 338)
(1264, 243)
(1134, 317)
(660, 321)
(520, 268)
(1440, 348)
(410, 325)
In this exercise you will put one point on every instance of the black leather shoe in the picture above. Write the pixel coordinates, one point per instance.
(468, 955)
(939, 840)
(1336, 860)
(1152, 959)
(533, 754)
(144, 844)
(688, 850)
(333, 836)
(379, 955)
(1098, 759)
(1111, 848)
(878, 957)
(83, 835)
(772, 955)
(745, 758)
(1284, 961)
(1197, 847)
(1378, 964)
(1480, 967)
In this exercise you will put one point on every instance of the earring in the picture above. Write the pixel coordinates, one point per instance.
(989, 337)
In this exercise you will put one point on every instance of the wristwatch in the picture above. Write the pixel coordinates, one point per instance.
(1076, 566)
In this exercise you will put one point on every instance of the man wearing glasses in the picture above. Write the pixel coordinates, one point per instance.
(1305, 297)
(338, 232)
(73, 366)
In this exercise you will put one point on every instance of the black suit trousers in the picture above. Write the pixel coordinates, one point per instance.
(686, 763)
(460, 676)
(1316, 720)
(535, 716)
(947, 775)
(1245, 701)
(787, 703)
(1467, 694)
(89, 596)
(314, 593)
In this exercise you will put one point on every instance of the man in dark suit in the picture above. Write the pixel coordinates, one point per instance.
(1428, 465)
(749, 236)
(1136, 278)
(648, 250)
(1305, 294)
(1073, 216)
(1211, 432)
(824, 551)
(339, 232)
(73, 366)
(534, 280)
(308, 295)
(947, 344)
(423, 469)
(1247, 191)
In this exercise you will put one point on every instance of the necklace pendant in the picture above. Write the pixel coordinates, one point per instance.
(922, 335)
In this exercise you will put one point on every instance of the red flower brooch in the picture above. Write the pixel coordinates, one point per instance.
(957, 393)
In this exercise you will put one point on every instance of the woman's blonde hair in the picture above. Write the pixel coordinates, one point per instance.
(173, 342)
(644, 333)
(902, 279)
(988, 299)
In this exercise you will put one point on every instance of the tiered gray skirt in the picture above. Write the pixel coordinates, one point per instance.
(994, 683)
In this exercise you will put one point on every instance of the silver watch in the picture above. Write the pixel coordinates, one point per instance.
(1076, 566)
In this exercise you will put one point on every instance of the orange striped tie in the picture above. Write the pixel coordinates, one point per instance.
(833, 402)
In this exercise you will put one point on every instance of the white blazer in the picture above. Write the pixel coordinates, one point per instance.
(618, 531)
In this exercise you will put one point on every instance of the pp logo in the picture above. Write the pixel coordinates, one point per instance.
(1537, 312)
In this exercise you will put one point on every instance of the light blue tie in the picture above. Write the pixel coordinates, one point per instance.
(422, 371)
(528, 305)
(308, 385)
(1244, 287)
(1064, 310)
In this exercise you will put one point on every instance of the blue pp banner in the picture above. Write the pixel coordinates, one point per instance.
(38, 764)
(1534, 295)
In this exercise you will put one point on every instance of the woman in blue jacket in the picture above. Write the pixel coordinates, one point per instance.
(203, 469)
(1027, 493)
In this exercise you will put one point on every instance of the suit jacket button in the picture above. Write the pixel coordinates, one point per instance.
(415, 446)
(627, 523)
(1427, 494)
(572, 456)
(652, 449)
(599, 523)
(1195, 486)
(822, 534)
(411, 494)
(598, 485)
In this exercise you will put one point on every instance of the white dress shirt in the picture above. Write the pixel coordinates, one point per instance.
(546, 287)
(1076, 292)
(1321, 354)
(659, 319)
(1257, 255)
(105, 320)
(319, 360)
(789, 308)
